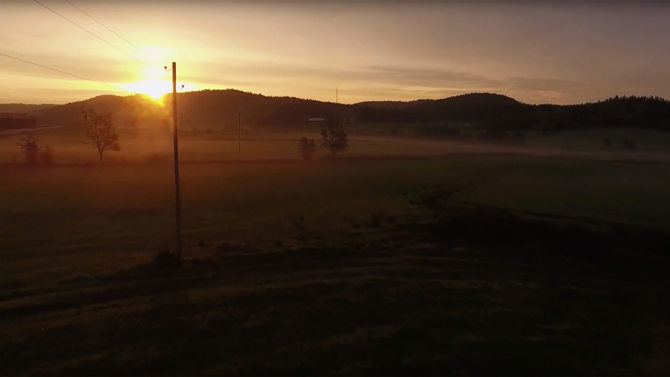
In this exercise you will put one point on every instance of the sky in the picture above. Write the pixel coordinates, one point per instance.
(537, 52)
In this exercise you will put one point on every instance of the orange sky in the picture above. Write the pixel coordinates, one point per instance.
(371, 50)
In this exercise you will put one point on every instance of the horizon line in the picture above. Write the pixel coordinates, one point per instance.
(340, 103)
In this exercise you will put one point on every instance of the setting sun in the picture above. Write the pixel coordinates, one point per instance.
(153, 88)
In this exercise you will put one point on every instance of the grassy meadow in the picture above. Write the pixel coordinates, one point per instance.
(401, 256)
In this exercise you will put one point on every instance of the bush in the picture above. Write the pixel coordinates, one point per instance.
(165, 260)
(31, 149)
(307, 148)
(46, 155)
(518, 138)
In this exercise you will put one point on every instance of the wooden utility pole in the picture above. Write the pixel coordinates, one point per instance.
(176, 158)
(239, 132)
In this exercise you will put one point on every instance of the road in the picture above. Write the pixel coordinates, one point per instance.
(25, 130)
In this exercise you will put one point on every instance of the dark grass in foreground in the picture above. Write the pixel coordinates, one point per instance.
(461, 289)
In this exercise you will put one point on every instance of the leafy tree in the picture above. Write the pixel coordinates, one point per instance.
(101, 131)
(31, 149)
(307, 148)
(333, 137)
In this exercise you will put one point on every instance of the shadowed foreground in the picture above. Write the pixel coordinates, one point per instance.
(460, 289)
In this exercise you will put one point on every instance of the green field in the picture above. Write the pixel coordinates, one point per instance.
(402, 256)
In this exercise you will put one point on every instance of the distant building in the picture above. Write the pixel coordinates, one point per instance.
(16, 120)
(345, 119)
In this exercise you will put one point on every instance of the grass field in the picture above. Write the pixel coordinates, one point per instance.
(403, 256)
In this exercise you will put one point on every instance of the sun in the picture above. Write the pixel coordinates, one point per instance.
(153, 79)
(153, 88)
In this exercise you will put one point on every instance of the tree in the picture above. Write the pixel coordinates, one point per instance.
(333, 137)
(307, 148)
(101, 131)
(31, 149)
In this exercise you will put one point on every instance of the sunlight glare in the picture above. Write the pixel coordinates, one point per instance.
(154, 88)
(154, 80)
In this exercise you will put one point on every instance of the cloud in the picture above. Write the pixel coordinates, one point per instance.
(542, 83)
(434, 77)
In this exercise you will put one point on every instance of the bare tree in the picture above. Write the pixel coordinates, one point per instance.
(333, 136)
(101, 131)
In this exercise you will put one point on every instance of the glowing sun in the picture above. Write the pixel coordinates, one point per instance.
(153, 88)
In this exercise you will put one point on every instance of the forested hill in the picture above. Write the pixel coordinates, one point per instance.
(222, 108)
(497, 111)
(218, 109)
(467, 107)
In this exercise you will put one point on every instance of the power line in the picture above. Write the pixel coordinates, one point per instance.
(86, 30)
(100, 22)
(46, 67)
(56, 70)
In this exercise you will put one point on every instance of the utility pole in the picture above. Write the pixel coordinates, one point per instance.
(239, 132)
(176, 158)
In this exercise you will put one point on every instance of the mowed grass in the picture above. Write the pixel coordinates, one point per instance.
(345, 266)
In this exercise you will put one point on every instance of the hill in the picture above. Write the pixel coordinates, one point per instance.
(219, 109)
(128, 111)
(23, 108)
(466, 107)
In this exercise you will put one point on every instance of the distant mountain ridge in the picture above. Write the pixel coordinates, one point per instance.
(23, 108)
(220, 109)
(481, 98)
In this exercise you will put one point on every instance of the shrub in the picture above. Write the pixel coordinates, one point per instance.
(518, 138)
(165, 260)
(46, 155)
(31, 149)
(307, 148)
